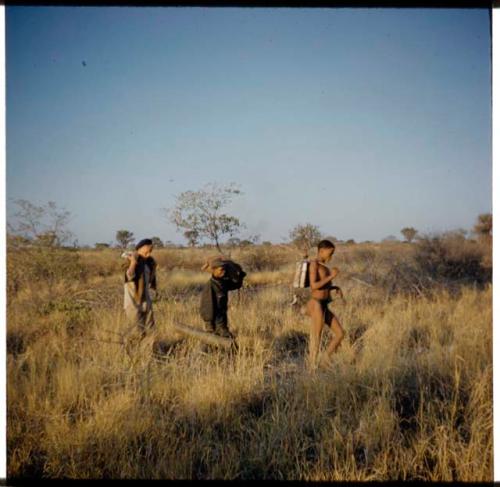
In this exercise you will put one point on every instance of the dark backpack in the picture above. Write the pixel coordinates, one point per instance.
(233, 278)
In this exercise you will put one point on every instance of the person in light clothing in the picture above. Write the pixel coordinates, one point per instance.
(140, 278)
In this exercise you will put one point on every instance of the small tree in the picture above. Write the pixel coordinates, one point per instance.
(124, 238)
(246, 242)
(233, 242)
(102, 245)
(44, 225)
(409, 233)
(255, 238)
(157, 242)
(202, 212)
(484, 225)
(305, 236)
(192, 237)
(389, 238)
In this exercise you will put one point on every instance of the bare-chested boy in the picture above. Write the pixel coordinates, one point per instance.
(320, 281)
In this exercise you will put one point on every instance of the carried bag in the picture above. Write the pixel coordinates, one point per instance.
(234, 275)
(301, 278)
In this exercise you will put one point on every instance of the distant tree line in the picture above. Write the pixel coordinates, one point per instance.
(200, 215)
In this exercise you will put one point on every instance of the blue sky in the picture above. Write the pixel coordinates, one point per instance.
(361, 121)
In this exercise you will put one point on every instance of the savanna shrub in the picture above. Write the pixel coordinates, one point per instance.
(264, 258)
(452, 257)
(37, 264)
(446, 260)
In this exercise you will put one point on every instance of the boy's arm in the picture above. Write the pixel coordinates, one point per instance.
(338, 291)
(207, 303)
(130, 272)
(313, 273)
(153, 275)
(220, 309)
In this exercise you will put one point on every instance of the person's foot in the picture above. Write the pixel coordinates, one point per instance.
(325, 361)
(223, 332)
(203, 348)
(207, 328)
(311, 365)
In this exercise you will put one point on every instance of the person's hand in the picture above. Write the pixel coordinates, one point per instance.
(334, 272)
(338, 292)
(132, 257)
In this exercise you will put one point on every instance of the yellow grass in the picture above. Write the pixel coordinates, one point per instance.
(410, 399)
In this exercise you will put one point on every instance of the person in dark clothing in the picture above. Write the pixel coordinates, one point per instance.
(214, 299)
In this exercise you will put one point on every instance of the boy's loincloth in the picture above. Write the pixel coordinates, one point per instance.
(327, 314)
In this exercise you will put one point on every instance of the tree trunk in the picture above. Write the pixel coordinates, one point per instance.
(217, 245)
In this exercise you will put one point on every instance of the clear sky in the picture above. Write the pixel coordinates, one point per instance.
(360, 121)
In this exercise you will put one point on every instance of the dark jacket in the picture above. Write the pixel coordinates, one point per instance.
(138, 277)
(213, 304)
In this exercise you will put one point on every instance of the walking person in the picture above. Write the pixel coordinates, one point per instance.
(320, 281)
(140, 279)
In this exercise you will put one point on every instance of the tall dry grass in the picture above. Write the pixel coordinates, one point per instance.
(409, 395)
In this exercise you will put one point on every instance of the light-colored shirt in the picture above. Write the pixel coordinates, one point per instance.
(129, 292)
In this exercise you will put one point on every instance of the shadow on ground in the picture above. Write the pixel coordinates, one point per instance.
(163, 349)
(292, 344)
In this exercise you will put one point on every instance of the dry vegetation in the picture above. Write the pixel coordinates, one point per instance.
(408, 397)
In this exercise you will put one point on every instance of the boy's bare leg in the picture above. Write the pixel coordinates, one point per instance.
(339, 333)
(316, 314)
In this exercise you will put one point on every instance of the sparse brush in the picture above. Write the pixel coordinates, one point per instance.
(408, 397)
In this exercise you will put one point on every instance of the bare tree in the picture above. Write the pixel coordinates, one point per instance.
(202, 212)
(124, 238)
(45, 225)
(305, 236)
(409, 233)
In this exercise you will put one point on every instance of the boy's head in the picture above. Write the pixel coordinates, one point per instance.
(218, 271)
(144, 247)
(216, 267)
(325, 250)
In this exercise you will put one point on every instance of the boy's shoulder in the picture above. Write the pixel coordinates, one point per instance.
(211, 283)
(217, 285)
